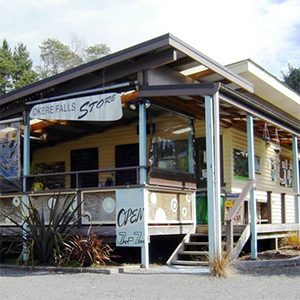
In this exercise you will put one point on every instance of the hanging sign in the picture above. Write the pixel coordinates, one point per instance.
(104, 107)
(130, 218)
(10, 157)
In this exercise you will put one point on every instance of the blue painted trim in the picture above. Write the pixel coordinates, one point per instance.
(251, 171)
(210, 176)
(296, 179)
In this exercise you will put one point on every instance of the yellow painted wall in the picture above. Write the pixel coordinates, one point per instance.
(232, 138)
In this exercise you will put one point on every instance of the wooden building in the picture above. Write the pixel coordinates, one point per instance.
(158, 140)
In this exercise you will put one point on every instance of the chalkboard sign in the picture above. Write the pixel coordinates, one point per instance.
(51, 182)
(81, 160)
(126, 156)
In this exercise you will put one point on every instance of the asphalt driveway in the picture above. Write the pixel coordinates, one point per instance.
(267, 283)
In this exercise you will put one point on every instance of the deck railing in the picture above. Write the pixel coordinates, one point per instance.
(78, 178)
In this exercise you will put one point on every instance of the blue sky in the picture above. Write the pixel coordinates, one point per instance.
(267, 31)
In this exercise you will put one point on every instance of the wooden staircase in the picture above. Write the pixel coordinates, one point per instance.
(194, 250)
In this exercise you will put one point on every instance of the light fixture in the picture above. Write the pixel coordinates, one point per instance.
(182, 130)
(147, 104)
(132, 106)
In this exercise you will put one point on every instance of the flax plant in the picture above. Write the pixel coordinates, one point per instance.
(43, 238)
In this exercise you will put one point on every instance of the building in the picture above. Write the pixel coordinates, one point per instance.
(158, 140)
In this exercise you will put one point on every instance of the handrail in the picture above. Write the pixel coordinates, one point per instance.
(228, 219)
(78, 173)
(238, 202)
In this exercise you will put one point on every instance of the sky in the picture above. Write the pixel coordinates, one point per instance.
(267, 31)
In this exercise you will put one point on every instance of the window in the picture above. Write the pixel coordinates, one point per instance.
(171, 151)
(201, 170)
(126, 156)
(82, 160)
(240, 164)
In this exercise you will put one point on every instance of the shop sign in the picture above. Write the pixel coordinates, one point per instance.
(130, 218)
(104, 107)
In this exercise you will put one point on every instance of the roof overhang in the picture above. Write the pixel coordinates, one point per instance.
(268, 87)
(166, 50)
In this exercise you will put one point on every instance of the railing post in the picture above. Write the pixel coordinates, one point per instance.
(79, 199)
(229, 236)
(283, 208)
(269, 207)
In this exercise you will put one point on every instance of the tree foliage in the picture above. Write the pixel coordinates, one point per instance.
(57, 57)
(15, 67)
(292, 78)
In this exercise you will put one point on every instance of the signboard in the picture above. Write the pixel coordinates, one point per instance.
(130, 218)
(104, 107)
(10, 157)
(229, 202)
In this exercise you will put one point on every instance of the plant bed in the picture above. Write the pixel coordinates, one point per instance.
(283, 253)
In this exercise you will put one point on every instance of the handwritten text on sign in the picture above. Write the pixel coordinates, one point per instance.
(104, 107)
(130, 218)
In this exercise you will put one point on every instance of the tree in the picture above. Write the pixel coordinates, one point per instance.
(96, 51)
(57, 57)
(6, 68)
(15, 68)
(292, 78)
(23, 72)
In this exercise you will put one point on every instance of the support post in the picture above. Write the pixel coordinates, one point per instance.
(191, 147)
(283, 208)
(26, 171)
(269, 207)
(143, 178)
(251, 171)
(191, 165)
(296, 180)
(143, 142)
(217, 181)
(210, 176)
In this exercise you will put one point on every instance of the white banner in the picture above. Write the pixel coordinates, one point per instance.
(130, 218)
(104, 107)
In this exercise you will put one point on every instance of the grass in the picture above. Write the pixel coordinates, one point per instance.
(222, 266)
(292, 240)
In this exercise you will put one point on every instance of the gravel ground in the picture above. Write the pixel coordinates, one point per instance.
(276, 283)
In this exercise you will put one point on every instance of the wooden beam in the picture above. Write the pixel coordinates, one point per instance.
(201, 74)
(129, 97)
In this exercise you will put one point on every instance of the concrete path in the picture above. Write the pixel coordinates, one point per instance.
(156, 283)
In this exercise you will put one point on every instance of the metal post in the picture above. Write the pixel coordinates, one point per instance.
(210, 176)
(191, 165)
(143, 142)
(217, 174)
(191, 147)
(251, 171)
(143, 178)
(26, 171)
(296, 180)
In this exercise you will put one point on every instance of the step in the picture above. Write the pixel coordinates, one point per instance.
(187, 252)
(190, 263)
(196, 243)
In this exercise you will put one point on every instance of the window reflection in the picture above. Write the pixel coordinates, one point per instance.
(171, 147)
